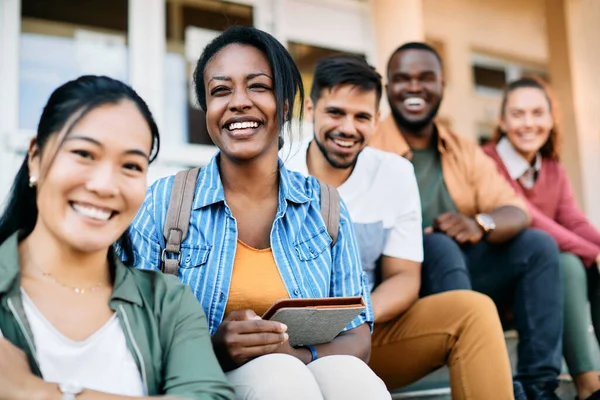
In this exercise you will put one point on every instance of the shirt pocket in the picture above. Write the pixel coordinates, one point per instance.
(310, 245)
(193, 256)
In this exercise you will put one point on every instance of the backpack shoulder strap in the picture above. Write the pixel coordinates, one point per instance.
(178, 218)
(330, 210)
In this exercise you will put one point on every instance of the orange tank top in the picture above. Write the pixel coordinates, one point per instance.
(255, 281)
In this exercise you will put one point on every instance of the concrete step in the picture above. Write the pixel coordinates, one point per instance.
(436, 386)
(566, 391)
(432, 394)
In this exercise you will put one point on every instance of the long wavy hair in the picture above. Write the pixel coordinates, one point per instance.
(550, 149)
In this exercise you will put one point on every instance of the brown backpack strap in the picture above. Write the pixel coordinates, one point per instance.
(330, 210)
(178, 218)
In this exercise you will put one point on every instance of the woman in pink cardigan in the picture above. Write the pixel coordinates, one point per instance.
(526, 150)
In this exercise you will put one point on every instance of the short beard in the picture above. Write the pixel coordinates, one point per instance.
(332, 162)
(414, 127)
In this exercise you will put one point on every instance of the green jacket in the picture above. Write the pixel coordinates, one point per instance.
(165, 328)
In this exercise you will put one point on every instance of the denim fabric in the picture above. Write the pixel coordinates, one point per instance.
(522, 273)
(308, 265)
(443, 267)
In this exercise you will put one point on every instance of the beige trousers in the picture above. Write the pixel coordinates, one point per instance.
(460, 329)
(284, 377)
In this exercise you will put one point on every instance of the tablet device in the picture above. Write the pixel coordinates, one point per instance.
(315, 321)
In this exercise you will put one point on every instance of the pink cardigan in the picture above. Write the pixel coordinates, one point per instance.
(554, 209)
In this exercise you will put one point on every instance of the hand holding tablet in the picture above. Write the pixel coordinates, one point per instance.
(315, 321)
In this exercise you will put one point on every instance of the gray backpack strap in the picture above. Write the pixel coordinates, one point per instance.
(178, 218)
(330, 210)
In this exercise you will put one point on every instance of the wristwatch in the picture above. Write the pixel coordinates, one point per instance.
(486, 223)
(70, 390)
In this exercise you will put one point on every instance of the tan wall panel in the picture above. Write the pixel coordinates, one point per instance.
(511, 29)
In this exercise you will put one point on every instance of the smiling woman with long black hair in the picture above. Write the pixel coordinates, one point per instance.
(256, 233)
(77, 322)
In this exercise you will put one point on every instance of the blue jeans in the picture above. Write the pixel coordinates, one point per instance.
(522, 274)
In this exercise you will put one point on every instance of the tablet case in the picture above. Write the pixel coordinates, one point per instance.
(315, 321)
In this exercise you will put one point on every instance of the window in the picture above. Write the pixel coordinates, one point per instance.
(63, 39)
(190, 27)
(208, 14)
(489, 77)
(96, 14)
(491, 74)
(306, 57)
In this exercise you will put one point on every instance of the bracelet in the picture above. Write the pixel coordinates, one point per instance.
(313, 353)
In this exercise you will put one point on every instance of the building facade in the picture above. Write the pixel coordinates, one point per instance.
(153, 46)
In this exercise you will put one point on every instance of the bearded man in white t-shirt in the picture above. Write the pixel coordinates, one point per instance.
(411, 336)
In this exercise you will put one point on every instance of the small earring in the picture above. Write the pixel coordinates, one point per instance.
(32, 181)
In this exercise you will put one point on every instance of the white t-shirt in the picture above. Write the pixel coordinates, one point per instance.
(101, 362)
(383, 200)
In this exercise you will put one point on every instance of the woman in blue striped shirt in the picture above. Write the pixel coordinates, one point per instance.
(256, 233)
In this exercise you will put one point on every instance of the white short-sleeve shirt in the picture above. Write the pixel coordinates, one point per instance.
(382, 197)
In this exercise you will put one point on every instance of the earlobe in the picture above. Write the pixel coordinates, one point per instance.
(33, 159)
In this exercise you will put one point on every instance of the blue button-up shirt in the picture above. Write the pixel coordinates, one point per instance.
(301, 246)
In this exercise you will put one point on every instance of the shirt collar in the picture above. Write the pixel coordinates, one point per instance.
(393, 140)
(210, 181)
(515, 164)
(125, 287)
(9, 263)
(289, 188)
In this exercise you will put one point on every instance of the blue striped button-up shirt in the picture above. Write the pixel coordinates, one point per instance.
(308, 265)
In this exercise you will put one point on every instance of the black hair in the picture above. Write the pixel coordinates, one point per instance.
(66, 106)
(287, 81)
(344, 69)
(415, 46)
